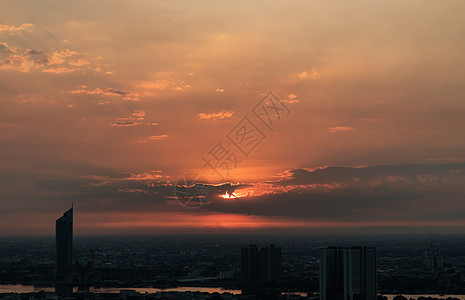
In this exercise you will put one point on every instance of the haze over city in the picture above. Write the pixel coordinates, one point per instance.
(108, 104)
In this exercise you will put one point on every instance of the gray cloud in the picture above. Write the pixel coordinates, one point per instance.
(377, 193)
(125, 123)
(109, 194)
(343, 174)
(5, 49)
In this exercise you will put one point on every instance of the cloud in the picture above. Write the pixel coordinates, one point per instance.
(163, 85)
(56, 61)
(17, 62)
(331, 175)
(139, 114)
(58, 70)
(15, 58)
(165, 81)
(125, 191)
(55, 58)
(158, 137)
(309, 74)
(11, 29)
(5, 49)
(394, 193)
(220, 115)
(153, 138)
(370, 119)
(291, 99)
(378, 194)
(153, 175)
(135, 119)
(79, 62)
(340, 129)
(82, 89)
(125, 123)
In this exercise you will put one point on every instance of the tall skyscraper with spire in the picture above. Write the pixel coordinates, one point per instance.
(64, 248)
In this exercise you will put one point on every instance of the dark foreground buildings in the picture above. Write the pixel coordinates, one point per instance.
(64, 251)
(348, 273)
(260, 265)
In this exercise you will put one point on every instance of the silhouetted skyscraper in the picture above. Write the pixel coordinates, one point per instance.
(250, 263)
(64, 247)
(261, 265)
(348, 273)
(270, 263)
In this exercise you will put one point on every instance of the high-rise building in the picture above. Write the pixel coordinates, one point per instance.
(348, 273)
(270, 263)
(432, 258)
(250, 263)
(64, 247)
(261, 265)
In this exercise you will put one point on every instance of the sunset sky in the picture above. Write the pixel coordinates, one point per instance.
(108, 104)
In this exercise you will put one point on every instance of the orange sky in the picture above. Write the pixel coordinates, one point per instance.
(99, 101)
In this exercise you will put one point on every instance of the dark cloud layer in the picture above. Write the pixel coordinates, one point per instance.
(344, 174)
(376, 193)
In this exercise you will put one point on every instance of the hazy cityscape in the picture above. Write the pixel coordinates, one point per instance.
(212, 262)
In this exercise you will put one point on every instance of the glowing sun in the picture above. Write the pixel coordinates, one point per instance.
(228, 195)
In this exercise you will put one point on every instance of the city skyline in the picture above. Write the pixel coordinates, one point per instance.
(353, 114)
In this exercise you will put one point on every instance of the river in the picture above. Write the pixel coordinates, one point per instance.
(21, 288)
